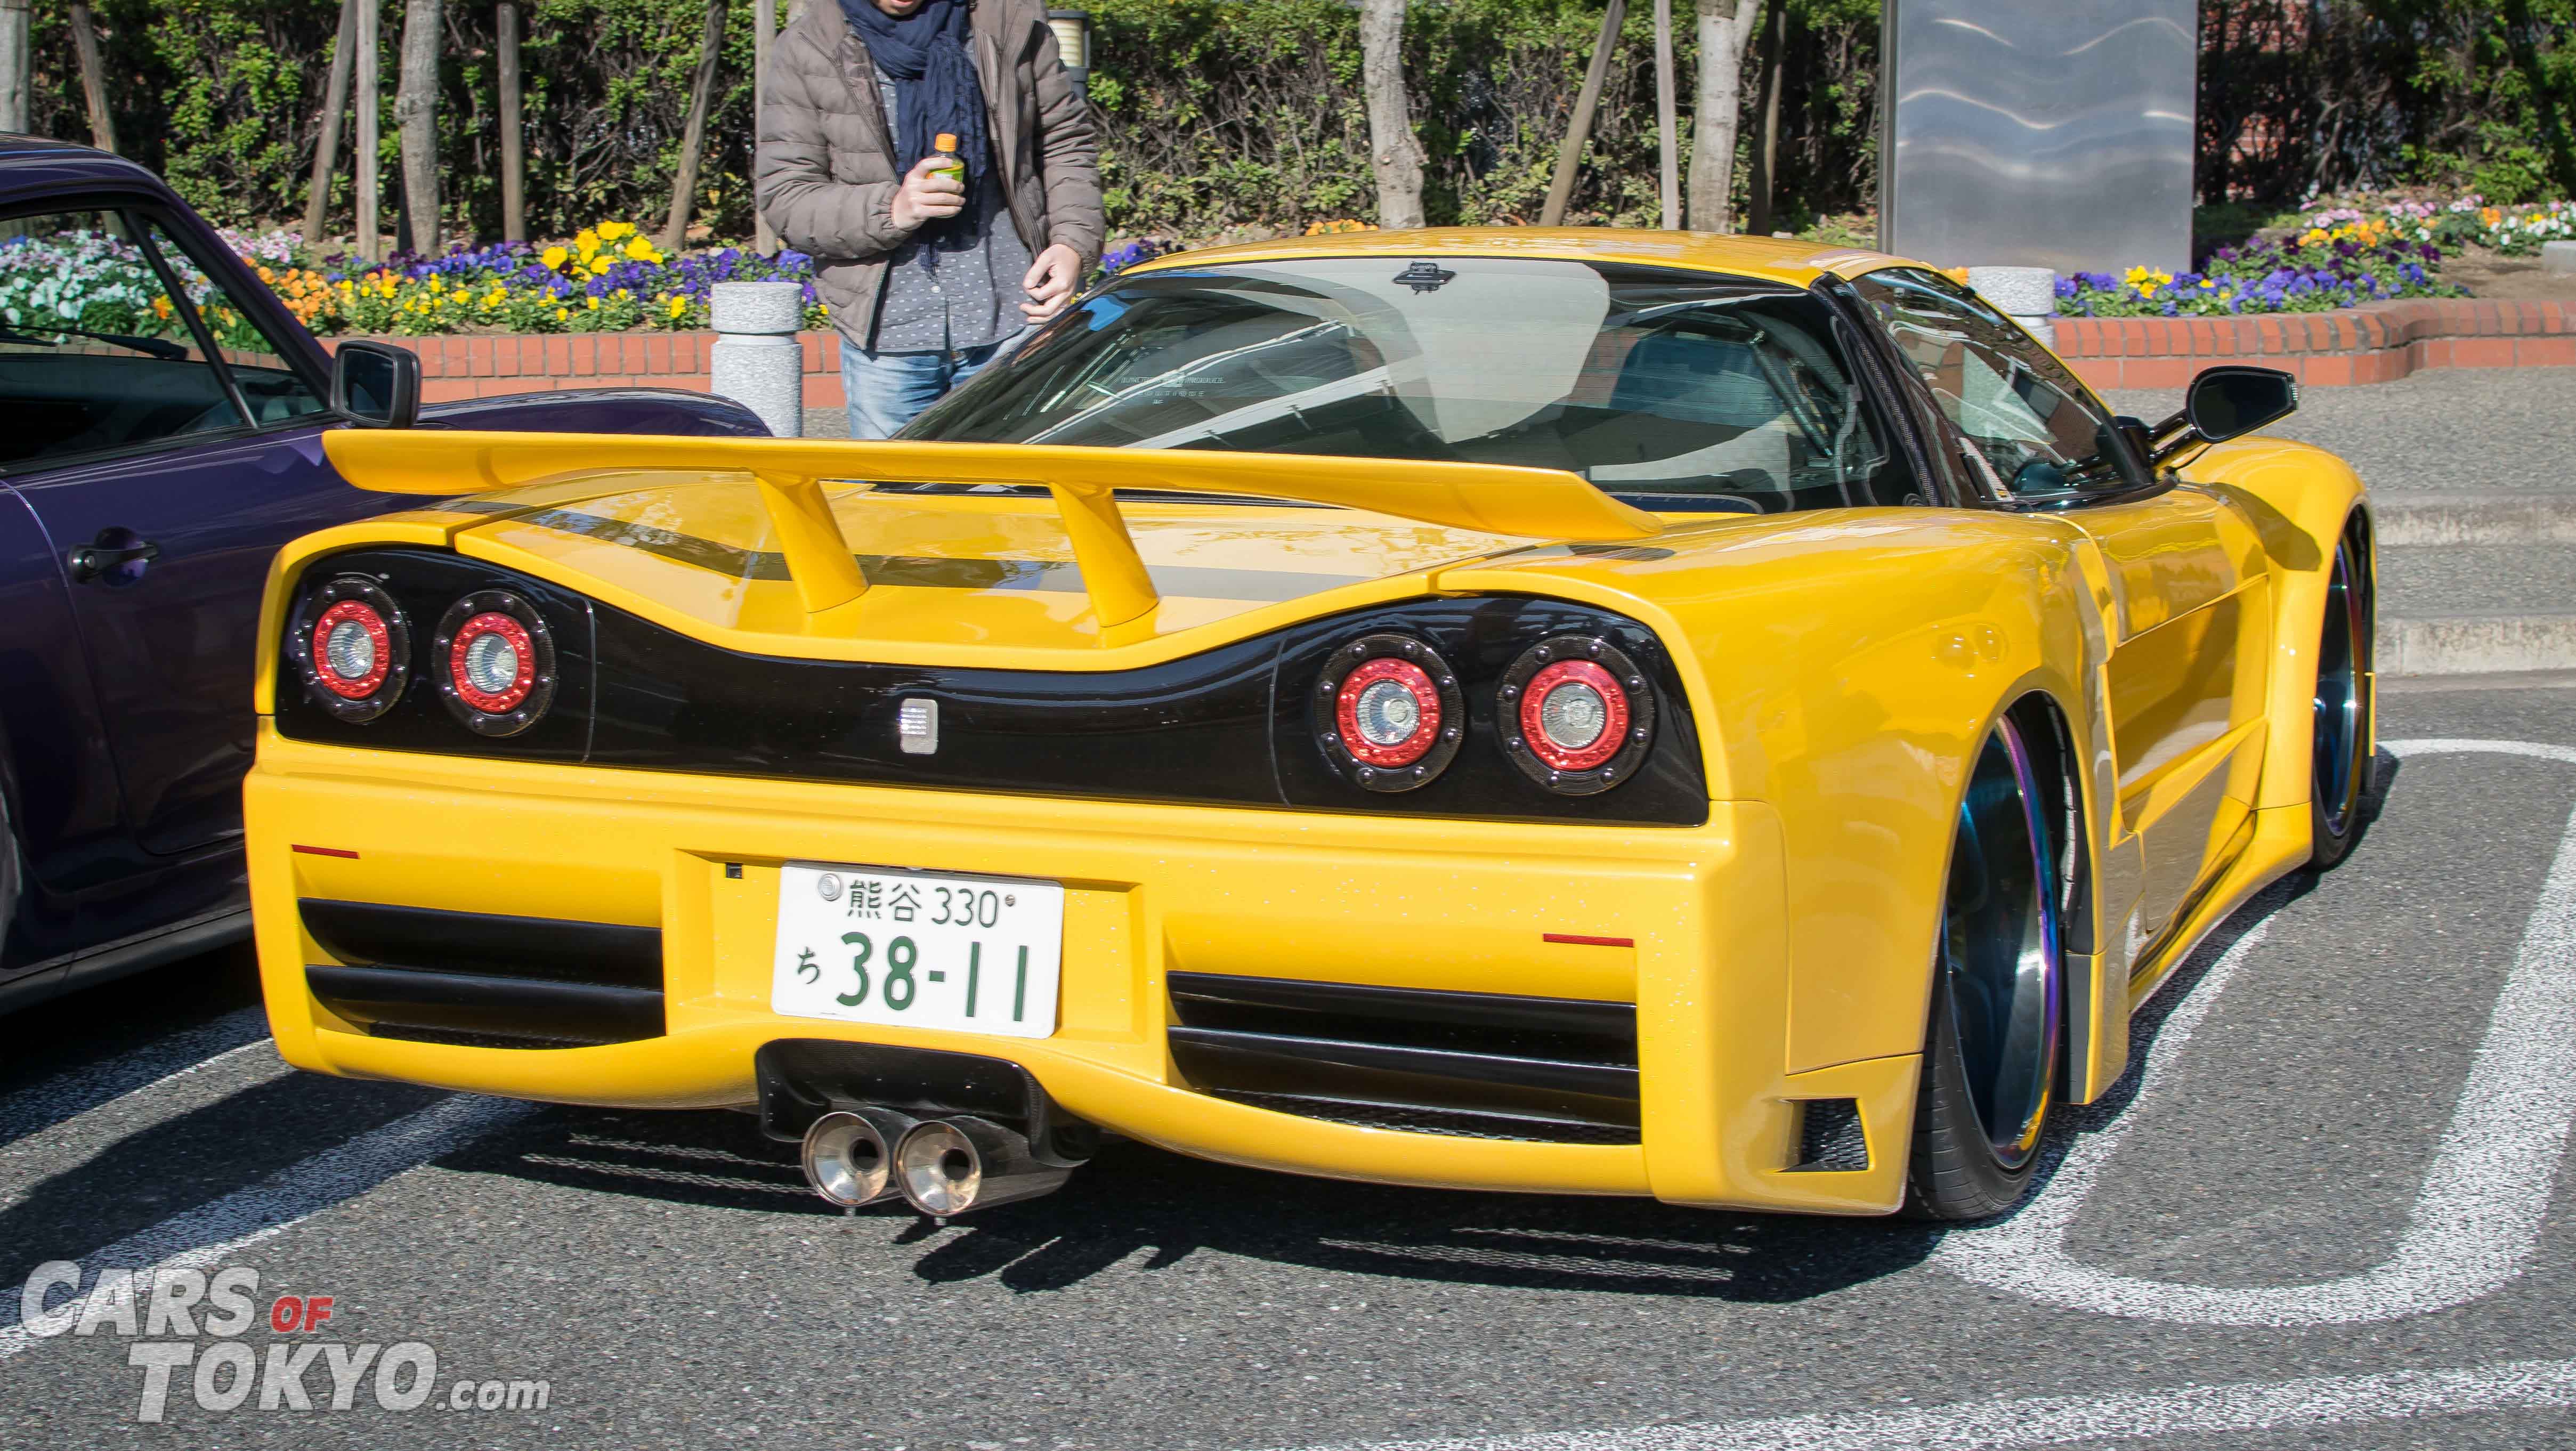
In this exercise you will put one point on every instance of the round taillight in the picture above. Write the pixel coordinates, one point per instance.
(352, 650)
(1574, 714)
(1580, 715)
(492, 662)
(497, 660)
(1387, 712)
(354, 647)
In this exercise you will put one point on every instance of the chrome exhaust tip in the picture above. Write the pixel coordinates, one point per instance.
(849, 1157)
(951, 1165)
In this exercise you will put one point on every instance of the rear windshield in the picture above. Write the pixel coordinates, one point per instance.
(1672, 390)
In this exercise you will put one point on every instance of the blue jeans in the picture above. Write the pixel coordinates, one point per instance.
(888, 390)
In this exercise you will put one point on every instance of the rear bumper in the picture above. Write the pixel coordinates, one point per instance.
(1151, 890)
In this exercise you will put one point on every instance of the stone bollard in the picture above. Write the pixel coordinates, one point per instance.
(2028, 294)
(756, 360)
(2558, 257)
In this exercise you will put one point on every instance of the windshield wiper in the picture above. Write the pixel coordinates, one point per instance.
(156, 347)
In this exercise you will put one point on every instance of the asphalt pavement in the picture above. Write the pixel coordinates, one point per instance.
(2328, 1209)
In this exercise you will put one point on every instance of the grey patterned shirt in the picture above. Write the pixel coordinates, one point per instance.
(973, 298)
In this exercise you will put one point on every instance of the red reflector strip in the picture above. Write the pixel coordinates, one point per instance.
(1570, 940)
(326, 851)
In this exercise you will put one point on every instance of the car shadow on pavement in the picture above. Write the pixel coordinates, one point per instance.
(1134, 1200)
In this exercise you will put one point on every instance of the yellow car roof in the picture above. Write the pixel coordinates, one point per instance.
(1775, 259)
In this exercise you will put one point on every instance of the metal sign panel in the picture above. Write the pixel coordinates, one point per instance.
(2039, 133)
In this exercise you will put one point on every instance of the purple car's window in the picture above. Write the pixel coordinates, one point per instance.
(1674, 390)
(269, 384)
(95, 354)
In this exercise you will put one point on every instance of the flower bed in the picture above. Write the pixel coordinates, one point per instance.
(2321, 269)
(2339, 256)
(608, 278)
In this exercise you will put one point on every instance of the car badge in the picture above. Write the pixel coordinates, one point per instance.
(1425, 276)
(828, 887)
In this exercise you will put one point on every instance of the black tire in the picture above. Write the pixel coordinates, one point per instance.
(1990, 1055)
(2340, 763)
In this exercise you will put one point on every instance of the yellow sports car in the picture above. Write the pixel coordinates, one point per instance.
(1576, 712)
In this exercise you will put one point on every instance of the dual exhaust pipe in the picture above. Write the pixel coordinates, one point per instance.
(940, 1166)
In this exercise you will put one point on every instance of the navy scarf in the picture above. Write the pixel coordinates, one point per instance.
(927, 55)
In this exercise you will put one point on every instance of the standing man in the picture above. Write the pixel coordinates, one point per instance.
(928, 273)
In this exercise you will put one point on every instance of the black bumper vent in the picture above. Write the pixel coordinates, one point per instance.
(480, 980)
(1829, 1137)
(1477, 1065)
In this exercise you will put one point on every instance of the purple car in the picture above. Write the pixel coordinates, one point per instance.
(161, 416)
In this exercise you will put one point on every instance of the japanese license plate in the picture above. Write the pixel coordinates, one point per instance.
(922, 949)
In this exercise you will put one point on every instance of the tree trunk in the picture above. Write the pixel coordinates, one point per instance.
(1569, 155)
(15, 22)
(684, 186)
(1766, 109)
(416, 115)
(1724, 27)
(764, 27)
(102, 122)
(1668, 139)
(514, 174)
(335, 114)
(1393, 153)
(366, 156)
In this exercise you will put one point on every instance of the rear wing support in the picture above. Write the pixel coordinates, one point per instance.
(790, 473)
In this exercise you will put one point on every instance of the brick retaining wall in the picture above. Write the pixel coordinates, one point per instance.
(2373, 344)
(488, 365)
(2378, 343)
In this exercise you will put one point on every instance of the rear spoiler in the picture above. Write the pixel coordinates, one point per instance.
(1530, 503)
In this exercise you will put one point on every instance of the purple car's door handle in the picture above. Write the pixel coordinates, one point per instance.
(116, 557)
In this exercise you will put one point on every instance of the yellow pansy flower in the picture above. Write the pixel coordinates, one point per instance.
(640, 250)
(554, 257)
(599, 265)
(611, 231)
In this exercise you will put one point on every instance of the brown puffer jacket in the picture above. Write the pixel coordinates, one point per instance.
(825, 170)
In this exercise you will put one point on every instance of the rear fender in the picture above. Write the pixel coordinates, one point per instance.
(1844, 668)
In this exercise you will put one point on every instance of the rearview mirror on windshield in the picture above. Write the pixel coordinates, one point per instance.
(376, 385)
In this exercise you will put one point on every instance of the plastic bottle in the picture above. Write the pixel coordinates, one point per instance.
(950, 163)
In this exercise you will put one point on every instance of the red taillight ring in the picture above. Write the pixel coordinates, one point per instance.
(1387, 713)
(1610, 690)
(374, 637)
(327, 661)
(1580, 692)
(1382, 694)
(469, 658)
(495, 660)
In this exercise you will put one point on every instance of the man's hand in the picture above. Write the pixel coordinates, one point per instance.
(926, 195)
(1050, 282)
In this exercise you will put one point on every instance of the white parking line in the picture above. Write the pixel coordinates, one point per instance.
(214, 1231)
(2331, 1400)
(2479, 1214)
(78, 1090)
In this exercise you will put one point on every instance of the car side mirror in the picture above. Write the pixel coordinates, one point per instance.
(376, 385)
(2230, 402)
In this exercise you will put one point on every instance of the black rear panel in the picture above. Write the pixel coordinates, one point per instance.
(1226, 726)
